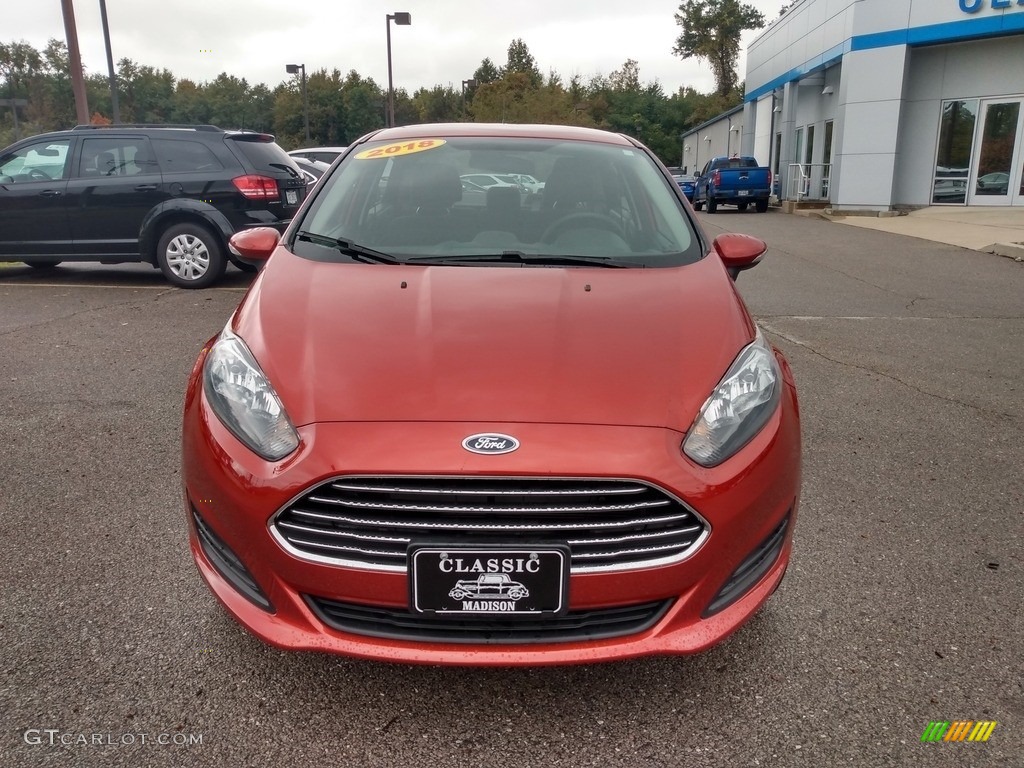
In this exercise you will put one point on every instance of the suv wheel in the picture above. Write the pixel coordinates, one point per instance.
(43, 264)
(190, 256)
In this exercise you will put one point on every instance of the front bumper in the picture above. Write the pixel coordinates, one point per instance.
(745, 501)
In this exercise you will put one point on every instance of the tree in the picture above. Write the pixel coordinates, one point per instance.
(486, 73)
(627, 78)
(364, 106)
(521, 61)
(440, 104)
(711, 31)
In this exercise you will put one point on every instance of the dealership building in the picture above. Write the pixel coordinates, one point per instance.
(877, 105)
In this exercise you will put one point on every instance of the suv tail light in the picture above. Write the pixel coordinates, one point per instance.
(716, 179)
(257, 187)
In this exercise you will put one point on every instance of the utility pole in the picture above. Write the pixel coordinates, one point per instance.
(110, 63)
(77, 80)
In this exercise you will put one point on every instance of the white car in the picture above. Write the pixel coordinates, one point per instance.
(488, 180)
(528, 182)
(323, 154)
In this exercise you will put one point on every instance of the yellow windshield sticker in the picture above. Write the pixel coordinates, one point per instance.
(400, 148)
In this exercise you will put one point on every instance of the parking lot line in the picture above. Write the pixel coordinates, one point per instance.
(104, 285)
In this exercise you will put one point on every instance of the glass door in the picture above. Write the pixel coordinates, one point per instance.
(997, 173)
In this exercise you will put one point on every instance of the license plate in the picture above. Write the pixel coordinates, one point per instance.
(495, 581)
(743, 192)
(291, 196)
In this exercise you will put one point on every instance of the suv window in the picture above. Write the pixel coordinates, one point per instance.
(185, 156)
(739, 162)
(44, 161)
(116, 156)
(262, 152)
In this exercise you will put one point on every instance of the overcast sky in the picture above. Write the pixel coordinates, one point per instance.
(254, 39)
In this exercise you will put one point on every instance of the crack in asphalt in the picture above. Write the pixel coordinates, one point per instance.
(883, 374)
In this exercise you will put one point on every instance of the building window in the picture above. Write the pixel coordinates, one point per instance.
(953, 157)
(776, 154)
(826, 158)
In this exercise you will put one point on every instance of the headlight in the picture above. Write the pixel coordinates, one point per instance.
(244, 401)
(738, 408)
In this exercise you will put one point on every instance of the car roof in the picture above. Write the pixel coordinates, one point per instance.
(501, 130)
(318, 149)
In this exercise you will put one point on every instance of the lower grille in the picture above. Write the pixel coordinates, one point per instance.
(757, 564)
(400, 624)
(609, 525)
(227, 564)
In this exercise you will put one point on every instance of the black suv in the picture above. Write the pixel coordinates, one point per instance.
(169, 195)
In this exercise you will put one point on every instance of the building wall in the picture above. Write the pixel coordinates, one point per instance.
(814, 33)
(713, 139)
(808, 36)
(984, 68)
(888, 65)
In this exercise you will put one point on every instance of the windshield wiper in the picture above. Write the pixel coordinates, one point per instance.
(348, 248)
(291, 171)
(518, 257)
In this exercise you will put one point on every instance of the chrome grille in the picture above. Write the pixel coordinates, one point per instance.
(369, 522)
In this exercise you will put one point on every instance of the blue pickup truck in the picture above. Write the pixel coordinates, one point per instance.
(738, 181)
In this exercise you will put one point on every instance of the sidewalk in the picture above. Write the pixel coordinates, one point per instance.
(990, 229)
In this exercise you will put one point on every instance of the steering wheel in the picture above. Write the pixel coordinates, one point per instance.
(36, 175)
(581, 220)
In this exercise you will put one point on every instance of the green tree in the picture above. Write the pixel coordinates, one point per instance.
(326, 107)
(521, 61)
(364, 106)
(57, 95)
(440, 104)
(486, 73)
(627, 78)
(711, 31)
(228, 100)
(190, 104)
(145, 94)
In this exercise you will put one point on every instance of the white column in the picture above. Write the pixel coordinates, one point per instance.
(866, 129)
(785, 123)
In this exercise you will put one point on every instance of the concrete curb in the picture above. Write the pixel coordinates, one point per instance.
(1013, 251)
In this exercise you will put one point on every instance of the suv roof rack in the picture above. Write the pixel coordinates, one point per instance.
(148, 125)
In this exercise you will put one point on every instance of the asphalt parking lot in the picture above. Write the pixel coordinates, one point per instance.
(902, 605)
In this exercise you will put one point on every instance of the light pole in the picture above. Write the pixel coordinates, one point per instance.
(75, 58)
(292, 69)
(471, 83)
(404, 20)
(110, 63)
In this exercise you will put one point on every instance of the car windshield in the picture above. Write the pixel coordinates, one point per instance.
(417, 201)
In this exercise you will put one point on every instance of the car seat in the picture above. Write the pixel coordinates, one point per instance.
(420, 196)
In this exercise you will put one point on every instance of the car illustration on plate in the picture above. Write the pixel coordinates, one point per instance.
(489, 585)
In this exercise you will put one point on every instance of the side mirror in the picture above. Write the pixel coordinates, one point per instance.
(254, 245)
(739, 252)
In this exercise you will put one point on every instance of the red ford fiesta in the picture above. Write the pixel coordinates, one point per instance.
(458, 425)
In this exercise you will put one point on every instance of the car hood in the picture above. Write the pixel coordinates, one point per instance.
(494, 344)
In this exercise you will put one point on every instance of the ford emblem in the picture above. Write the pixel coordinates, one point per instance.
(490, 443)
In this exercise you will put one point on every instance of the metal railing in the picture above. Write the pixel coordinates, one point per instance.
(809, 181)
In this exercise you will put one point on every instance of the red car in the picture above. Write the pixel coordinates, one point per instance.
(417, 392)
